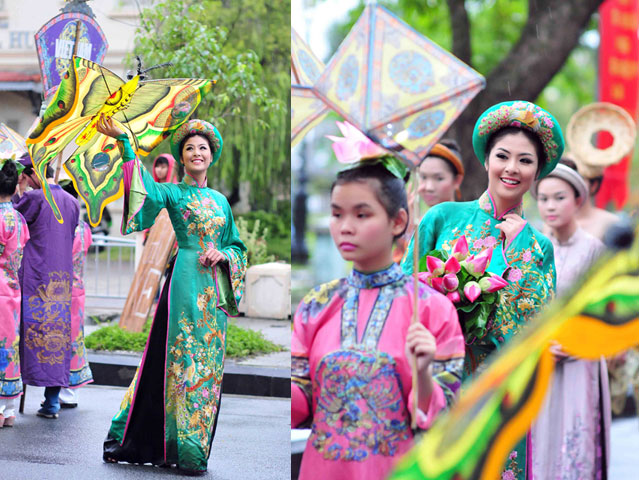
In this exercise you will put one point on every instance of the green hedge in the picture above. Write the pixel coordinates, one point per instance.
(278, 239)
(240, 342)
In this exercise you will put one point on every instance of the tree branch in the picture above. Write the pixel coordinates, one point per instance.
(551, 33)
(460, 27)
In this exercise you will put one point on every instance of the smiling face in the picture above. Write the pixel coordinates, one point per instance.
(360, 226)
(512, 166)
(196, 156)
(557, 202)
(437, 182)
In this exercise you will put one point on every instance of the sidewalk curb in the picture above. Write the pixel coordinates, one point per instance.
(118, 369)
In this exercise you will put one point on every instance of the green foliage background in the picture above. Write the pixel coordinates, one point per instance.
(245, 46)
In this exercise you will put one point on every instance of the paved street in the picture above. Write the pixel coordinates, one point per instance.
(252, 441)
(624, 454)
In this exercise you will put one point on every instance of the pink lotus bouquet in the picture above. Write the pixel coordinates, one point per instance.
(464, 280)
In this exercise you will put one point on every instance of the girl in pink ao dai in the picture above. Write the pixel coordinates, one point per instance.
(353, 341)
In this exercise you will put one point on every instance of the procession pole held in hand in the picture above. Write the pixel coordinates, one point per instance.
(415, 318)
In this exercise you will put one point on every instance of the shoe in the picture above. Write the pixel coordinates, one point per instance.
(68, 405)
(46, 415)
(107, 459)
(8, 421)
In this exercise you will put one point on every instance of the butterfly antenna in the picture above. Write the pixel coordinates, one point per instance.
(161, 65)
(139, 64)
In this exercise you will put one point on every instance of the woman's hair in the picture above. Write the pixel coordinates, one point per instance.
(571, 164)
(388, 189)
(534, 139)
(453, 146)
(8, 178)
(28, 171)
(162, 160)
(194, 134)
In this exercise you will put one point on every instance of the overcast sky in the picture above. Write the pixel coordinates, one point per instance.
(313, 23)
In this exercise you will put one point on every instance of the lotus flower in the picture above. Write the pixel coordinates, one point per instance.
(354, 146)
(476, 266)
(454, 297)
(452, 265)
(460, 250)
(450, 282)
(438, 284)
(492, 283)
(425, 277)
(472, 290)
(434, 265)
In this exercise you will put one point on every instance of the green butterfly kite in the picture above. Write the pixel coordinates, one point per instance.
(147, 110)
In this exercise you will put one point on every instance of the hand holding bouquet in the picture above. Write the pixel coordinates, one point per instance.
(464, 280)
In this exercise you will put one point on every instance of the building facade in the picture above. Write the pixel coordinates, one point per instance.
(20, 80)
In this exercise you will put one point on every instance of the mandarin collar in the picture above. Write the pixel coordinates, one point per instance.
(487, 204)
(8, 204)
(189, 180)
(376, 279)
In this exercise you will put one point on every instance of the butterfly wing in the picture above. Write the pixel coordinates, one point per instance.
(155, 109)
(159, 107)
(80, 95)
(96, 171)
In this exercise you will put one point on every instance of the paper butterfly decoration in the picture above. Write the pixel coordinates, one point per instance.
(147, 110)
(473, 440)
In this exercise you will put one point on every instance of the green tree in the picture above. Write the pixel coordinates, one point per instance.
(244, 46)
(527, 50)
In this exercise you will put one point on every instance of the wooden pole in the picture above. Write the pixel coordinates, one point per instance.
(57, 167)
(415, 318)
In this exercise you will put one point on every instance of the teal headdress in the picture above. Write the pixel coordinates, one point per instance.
(524, 115)
(201, 127)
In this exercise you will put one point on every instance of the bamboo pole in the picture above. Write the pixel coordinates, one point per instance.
(57, 168)
(415, 318)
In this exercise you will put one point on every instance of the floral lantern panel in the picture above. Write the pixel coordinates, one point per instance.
(306, 109)
(401, 89)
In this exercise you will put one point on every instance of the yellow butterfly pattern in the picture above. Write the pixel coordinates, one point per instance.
(147, 110)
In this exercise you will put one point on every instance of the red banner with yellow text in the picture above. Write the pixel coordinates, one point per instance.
(618, 82)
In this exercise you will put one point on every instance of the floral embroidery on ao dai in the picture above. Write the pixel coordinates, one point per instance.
(183, 360)
(13, 237)
(527, 262)
(351, 379)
